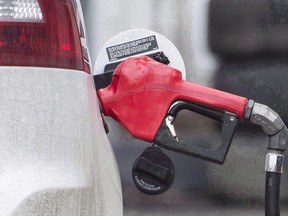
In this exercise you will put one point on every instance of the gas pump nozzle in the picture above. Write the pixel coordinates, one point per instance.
(145, 96)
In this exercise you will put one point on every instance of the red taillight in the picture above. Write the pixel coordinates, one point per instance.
(41, 33)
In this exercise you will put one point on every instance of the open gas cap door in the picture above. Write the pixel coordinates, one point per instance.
(132, 43)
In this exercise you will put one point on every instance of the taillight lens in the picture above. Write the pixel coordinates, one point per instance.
(41, 33)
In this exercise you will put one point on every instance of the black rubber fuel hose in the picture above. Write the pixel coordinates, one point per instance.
(272, 194)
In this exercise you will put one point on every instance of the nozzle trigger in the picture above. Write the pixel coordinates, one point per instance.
(169, 120)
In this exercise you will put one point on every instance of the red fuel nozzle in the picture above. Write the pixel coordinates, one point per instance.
(142, 91)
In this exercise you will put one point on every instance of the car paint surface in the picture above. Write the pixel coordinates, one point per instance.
(55, 155)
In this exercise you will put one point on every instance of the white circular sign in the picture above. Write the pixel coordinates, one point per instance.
(138, 42)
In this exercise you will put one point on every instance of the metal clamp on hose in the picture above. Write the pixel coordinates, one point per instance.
(274, 162)
(274, 168)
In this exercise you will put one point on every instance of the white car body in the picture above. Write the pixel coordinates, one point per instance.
(56, 159)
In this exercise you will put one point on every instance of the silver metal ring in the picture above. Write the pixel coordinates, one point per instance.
(274, 162)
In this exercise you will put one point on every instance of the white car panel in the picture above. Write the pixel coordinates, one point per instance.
(55, 156)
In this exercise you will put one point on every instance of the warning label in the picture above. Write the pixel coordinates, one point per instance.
(132, 48)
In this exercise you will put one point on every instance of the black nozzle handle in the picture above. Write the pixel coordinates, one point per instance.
(229, 123)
